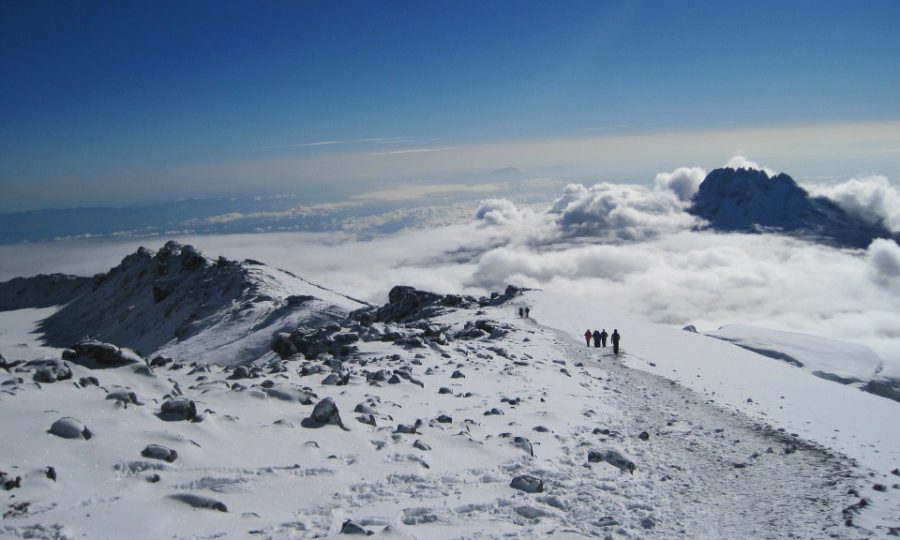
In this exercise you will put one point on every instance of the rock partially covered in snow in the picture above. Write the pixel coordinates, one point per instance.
(70, 428)
(50, 371)
(325, 412)
(178, 409)
(158, 451)
(200, 501)
(352, 527)
(96, 354)
(527, 483)
(614, 457)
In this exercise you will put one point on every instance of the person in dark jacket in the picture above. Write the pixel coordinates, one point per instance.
(527, 313)
(587, 336)
(596, 339)
(603, 336)
(615, 341)
(521, 313)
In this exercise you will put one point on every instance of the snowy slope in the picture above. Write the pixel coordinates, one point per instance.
(845, 363)
(176, 300)
(414, 460)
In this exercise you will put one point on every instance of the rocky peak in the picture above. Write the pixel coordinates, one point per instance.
(748, 200)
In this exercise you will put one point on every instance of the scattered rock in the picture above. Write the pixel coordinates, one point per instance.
(524, 444)
(50, 472)
(158, 451)
(325, 412)
(421, 445)
(644, 436)
(352, 527)
(614, 457)
(444, 419)
(528, 484)
(97, 355)
(50, 371)
(178, 409)
(70, 428)
(457, 375)
(124, 397)
(200, 501)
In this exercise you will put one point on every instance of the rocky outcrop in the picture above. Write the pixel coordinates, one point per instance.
(408, 304)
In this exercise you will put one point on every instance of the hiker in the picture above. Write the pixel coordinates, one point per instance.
(603, 336)
(521, 312)
(615, 341)
(527, 313)
(596, 339)
(587, 336)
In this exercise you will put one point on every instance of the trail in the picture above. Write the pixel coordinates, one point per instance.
(707, 472)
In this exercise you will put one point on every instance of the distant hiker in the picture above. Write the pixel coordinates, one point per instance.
(596, 339)
(603, 336)
(521, 313)
(587, 336)
(527, 313)
(615, 341)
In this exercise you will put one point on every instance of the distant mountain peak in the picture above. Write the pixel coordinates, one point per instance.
(749, 200)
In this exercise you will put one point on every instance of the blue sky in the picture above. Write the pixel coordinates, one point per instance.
(115, 103)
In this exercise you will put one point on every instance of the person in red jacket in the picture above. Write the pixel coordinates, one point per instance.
(587, 336)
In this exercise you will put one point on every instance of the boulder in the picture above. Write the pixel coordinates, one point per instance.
(178, 409)
(325, 412)
(158, 451)
(527, 483)
(70, 428)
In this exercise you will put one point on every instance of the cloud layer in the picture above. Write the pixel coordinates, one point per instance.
(872, 199)
(631, 248)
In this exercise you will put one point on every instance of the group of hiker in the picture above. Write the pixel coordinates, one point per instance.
(524, 312)
(599, 338)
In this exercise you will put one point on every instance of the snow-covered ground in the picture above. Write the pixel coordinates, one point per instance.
(709, 463)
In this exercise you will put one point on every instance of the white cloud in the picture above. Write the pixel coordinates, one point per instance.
(870, 198)
(668, 273)
(884, 258)
(683, 182)
(498, 212)
(620, 212)
(741, 162)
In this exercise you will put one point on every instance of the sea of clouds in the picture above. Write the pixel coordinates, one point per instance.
(631, 248)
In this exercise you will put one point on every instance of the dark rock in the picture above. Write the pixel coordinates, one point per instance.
(411, 429)
(50, 472)
(200, 501)
(644, 436)
(157, 451)
(444, 419)
(153, 478)
(528, 484)
(494, 412)
(445, 390)
(96, 355)
(351, 527)
(88, 381)
(178, 409)
(50, 371)
(367, 419)
(325, 412)
(70, 428)
(524, 444)
(457, 375)
(9, 482)
(124, 397)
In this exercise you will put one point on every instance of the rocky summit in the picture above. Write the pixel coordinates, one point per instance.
(748, 200)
